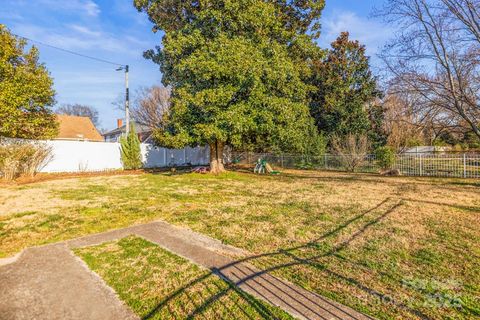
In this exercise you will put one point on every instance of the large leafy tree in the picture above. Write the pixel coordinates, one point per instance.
(236, 68)
(26, 91)
(345, 90)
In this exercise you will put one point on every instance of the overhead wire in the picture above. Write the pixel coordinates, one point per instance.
(70, 51)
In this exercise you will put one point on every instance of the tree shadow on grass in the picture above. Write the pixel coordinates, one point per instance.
(212, 297)
(465, 183)
(227, 300)
(443, 204)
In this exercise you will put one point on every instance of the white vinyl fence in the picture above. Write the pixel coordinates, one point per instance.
(80, 156)
(455, 165)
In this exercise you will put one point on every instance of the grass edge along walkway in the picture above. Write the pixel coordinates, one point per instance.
(212, 255)
(296, 301)
(158, 284)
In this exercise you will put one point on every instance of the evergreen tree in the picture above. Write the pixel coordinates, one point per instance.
(345, 88)
(26, 91)
(377, 134)
(130, 150)
(236, 68)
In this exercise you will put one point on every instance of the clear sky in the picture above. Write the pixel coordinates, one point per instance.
(115, 31)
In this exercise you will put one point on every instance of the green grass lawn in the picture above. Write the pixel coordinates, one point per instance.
(395, 248)
(157, 284)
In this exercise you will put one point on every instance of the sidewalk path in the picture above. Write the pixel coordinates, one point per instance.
(50, 283)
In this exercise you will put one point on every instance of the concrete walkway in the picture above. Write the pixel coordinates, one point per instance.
(50, 283)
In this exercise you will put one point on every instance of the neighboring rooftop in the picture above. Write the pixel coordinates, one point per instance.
(77, 128)
(144, 132)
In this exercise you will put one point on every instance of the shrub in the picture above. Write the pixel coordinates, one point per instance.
(352, 150)
(315, 145)
(22, 158)
(130, 150)
(304, 164)
(385, 157)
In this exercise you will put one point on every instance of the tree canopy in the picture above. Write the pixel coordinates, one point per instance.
(345, 88)
(236, 69)
(26, 91)
(298, 16)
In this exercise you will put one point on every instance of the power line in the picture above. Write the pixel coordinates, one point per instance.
(71, 52)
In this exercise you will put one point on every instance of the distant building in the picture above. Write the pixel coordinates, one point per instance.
(77, 128)
(427, 149)
(144, 132)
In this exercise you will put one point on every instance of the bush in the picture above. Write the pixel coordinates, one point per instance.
(385, 157)
(130, 150)
(22, 158)
(352, 150)
(304, 164)
(315, 145)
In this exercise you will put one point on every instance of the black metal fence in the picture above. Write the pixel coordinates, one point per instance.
(455, 165)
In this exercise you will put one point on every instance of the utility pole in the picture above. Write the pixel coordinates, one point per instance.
(127, 99)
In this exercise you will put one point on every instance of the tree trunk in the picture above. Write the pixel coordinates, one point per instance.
(216, 157)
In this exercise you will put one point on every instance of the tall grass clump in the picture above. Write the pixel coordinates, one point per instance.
(19, 157)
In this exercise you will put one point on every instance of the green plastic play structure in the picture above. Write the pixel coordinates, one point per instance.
(262, 167)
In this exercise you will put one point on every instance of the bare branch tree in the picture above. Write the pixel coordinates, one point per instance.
(151, 106)
(412, 117)
(401, 124)
(435, 58)
(119, 102)
(351, 149)
(468, 13)
(79, 110)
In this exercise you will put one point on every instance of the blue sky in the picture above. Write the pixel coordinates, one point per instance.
(115, 31)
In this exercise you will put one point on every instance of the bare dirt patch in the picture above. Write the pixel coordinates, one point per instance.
(41, 177)
(42, 196)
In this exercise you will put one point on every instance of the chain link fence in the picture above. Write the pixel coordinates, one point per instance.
(454, 165)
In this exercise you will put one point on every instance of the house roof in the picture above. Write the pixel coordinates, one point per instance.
(77, 128)
(139, 128)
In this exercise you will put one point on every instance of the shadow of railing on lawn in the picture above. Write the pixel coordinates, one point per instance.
(244, 308)
(235, 303)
